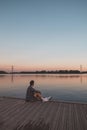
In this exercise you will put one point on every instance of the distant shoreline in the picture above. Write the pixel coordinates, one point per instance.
(46, 72)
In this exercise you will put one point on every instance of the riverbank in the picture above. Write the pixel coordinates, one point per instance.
(46, 72)
(16, 114)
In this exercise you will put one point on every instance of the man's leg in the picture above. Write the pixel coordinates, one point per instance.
(38, 96)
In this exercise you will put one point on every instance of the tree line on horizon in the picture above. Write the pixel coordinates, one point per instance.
(45, 72)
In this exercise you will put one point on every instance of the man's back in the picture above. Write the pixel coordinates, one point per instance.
(30, 94)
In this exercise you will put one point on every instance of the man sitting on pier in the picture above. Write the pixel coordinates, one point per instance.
(35, 95)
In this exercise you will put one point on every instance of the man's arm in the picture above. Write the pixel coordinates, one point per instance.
(34, 90)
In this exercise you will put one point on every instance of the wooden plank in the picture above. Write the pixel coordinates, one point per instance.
(81, 117)
(17, 114)
(70, 123)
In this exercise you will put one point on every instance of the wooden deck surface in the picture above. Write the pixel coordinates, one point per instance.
(16, 114)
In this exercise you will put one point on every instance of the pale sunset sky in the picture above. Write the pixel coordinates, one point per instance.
(43, 34)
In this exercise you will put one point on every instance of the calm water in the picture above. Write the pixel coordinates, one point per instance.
(60, 87)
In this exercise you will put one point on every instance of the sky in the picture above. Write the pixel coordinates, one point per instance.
(43, 34)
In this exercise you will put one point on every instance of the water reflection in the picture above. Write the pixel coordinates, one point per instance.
(81, 79)
(12, 78)
(61, 87)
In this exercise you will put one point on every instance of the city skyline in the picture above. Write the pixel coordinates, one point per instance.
(38, 35)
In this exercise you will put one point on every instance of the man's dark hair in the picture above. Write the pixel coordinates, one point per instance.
(32, 82)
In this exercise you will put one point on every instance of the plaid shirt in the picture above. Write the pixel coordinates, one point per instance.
(30, 93)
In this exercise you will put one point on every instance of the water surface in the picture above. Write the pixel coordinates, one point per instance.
(60, 87)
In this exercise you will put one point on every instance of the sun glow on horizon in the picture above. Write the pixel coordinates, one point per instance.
(40, 68)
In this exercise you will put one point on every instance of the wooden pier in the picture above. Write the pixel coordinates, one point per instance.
(16, 114)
